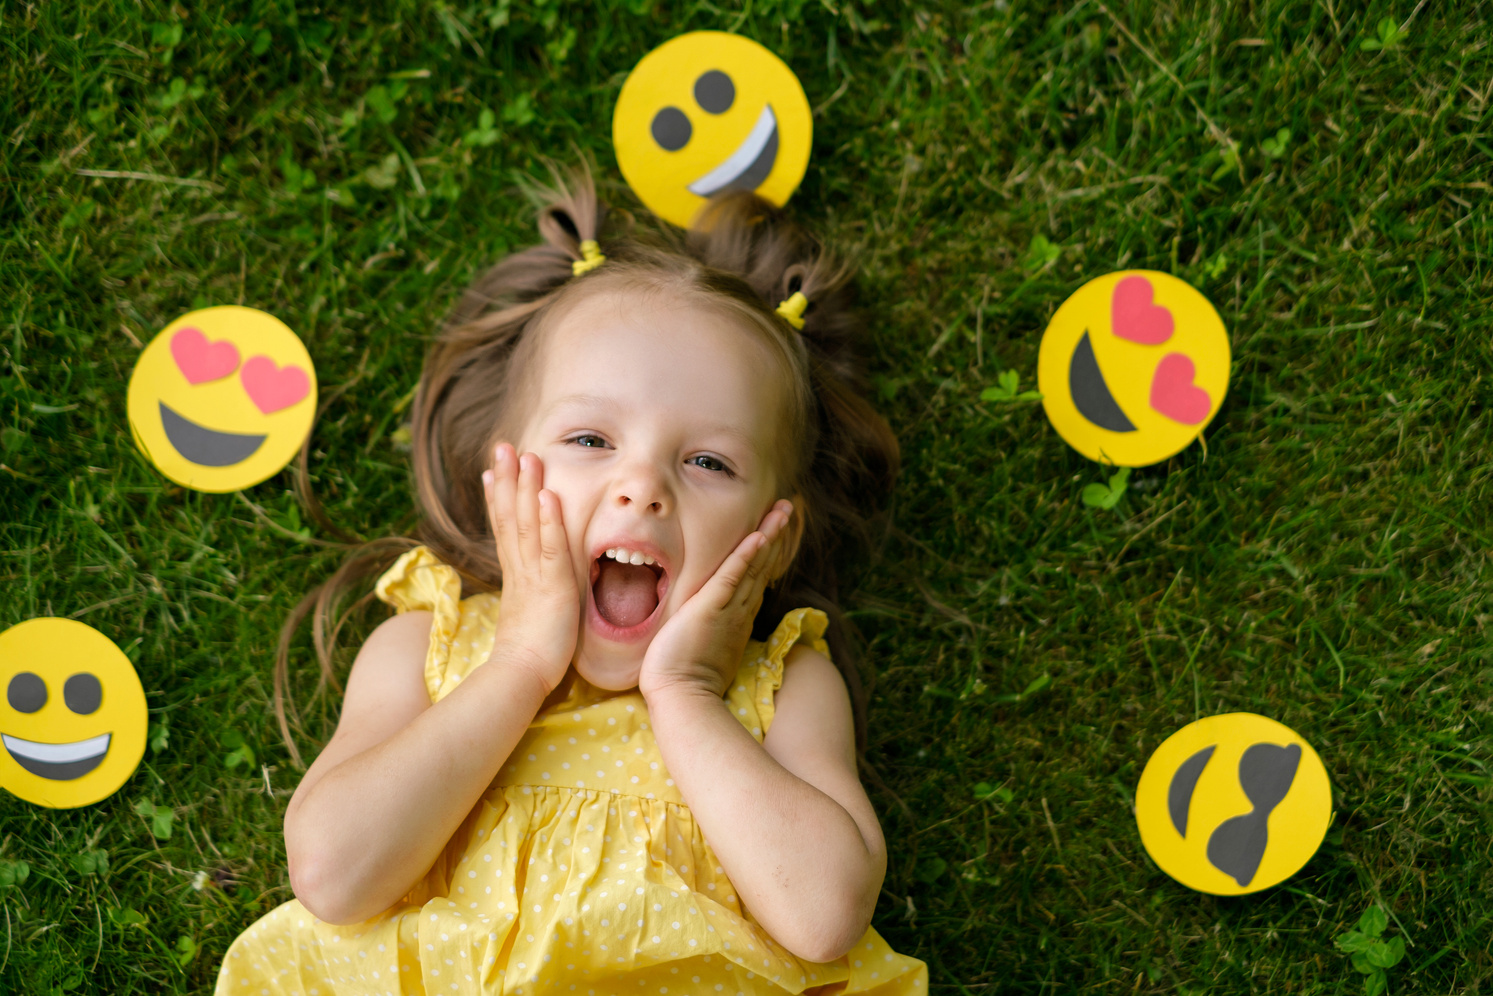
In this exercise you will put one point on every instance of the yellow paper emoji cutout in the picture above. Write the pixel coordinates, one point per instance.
(1133, 367)
(707, 112)
(222, 398)
(73, 721)
(1233, 804)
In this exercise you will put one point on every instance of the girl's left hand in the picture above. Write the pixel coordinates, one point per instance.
(699, 648)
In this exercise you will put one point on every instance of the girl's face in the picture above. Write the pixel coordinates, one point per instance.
(658, 422)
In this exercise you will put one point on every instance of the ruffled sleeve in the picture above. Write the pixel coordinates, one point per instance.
(420, 581)
(752, 698)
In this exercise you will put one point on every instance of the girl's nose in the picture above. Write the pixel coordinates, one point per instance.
(646, 488)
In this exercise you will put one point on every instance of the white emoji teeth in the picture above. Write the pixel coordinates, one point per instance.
(741, 160)
(623, 555)
(51, 753)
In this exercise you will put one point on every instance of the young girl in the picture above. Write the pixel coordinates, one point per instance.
(608, 786)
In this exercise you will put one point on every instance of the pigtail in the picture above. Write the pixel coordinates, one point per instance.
(570, 213)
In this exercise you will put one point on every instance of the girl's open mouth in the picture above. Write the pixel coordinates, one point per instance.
(627, 590)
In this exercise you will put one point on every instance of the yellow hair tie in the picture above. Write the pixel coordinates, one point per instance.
(793, 309)
(591, 258)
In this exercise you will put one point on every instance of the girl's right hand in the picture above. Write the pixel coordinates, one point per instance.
(540, 617)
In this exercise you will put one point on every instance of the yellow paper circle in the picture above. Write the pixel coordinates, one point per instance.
(1133, 367)
(222, 398)
(707, 112)
(1233, 804)
(72, 722)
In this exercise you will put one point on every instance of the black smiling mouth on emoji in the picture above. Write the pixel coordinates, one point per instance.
(1090, 393)
(204, 446)
(749, 165)
(58, 762)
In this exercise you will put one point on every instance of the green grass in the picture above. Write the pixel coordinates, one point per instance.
(1325, 562)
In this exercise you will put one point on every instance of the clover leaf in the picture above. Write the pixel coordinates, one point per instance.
(1389, 35)
(1368, 953)
(1107, 496)
(1005, 389)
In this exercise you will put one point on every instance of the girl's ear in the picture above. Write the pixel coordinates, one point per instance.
(792, 536)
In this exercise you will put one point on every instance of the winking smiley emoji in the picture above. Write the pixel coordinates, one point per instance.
(708, 112)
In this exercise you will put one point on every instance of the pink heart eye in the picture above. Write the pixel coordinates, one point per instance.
(199, 360)
(1132, 315)
(1174, 393)
(272, 387)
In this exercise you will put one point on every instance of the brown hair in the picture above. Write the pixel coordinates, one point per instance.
(742, 256)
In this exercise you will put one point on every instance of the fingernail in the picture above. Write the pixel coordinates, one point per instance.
(487, 478)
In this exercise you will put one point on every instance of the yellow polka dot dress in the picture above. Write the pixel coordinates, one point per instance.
(581, 870)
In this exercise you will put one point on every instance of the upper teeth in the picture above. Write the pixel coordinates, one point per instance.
(623, 555)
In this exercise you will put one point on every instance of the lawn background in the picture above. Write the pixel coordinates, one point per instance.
(1323, 561)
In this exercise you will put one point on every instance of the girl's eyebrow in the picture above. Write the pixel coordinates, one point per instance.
(611, 405)
(582, 401)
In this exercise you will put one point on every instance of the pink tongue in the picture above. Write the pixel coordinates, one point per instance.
(625, 594)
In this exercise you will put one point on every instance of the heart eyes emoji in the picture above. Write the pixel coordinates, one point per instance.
(1132, 367)
(222, 398)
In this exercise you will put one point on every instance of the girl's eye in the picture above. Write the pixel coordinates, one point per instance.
(711, 463)
(590, 441)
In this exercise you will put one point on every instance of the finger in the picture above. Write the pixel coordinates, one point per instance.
(500, 503)
(736, 568)
(526, 510)
(487, 498)
(776, 518)
(774, 528)
(553, 546)
(754, 578)
(778, 535)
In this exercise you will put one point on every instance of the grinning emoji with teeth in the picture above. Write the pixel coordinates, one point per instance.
(72, 722)
(222, 399)
(1133, 367)
(709, 112)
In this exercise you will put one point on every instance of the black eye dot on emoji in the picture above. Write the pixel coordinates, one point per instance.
(26, 692)
(83, 693)
(1266, 772)
(715, 92)
(671, 129)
